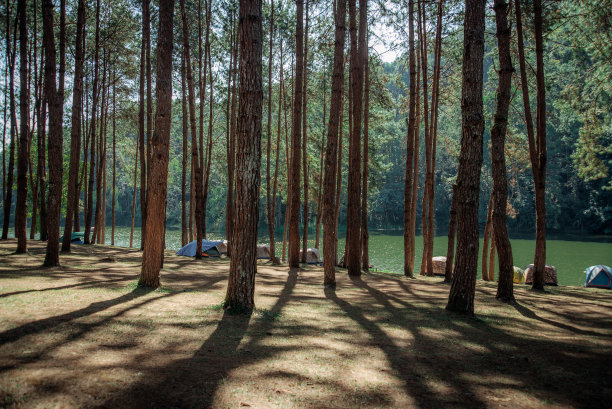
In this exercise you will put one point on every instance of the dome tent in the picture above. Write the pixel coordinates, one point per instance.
(209, 247)
(599, 276)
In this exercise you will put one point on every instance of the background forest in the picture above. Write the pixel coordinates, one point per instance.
(578, 61)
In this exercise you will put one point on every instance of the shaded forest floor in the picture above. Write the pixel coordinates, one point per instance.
(83, 335)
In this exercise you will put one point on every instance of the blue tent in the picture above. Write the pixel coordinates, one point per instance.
(75, 238)
(599, 276)
(189, 250)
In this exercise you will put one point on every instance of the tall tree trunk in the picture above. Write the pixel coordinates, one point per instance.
(273, 256)
(92, 125)
(157, 183)
(5, 105)
(22, 147)
(210, 120)
(426, 258)
(461, 297)
(287, 167)
(184, 221)
(304, 142)
(537, 145)
(230, 207)
(114, 162)
(433, 134)
(484, 263)
(269, 141)
(352, 258)
(144, 143)
(134, 192)
(330, 215)
(149, 117)
(340, 153)
(498, 159)
(296, 135)
(100, 169)
(243, 264)
(192, 121)
(75, 133)
(55, 138)
(38, 84)
(104, 156)
(85, 139)
(365, 235)
(10, 57)
(321, 164)
(415, 167)
(410, 151)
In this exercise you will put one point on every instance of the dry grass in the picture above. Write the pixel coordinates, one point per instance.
(84, 335)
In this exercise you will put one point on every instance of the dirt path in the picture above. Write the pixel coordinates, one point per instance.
(84, 335)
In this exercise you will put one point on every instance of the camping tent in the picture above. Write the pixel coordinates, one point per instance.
(75, 238)
(439, 265)
(223, 246)
(519, 275)
(599, 276)
(263, 251)
(209, 247)
(550, 274)
(312, 256)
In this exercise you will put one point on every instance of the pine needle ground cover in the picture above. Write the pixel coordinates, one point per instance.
(84, 335)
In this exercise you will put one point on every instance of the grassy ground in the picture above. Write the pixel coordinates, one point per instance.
(84, 335)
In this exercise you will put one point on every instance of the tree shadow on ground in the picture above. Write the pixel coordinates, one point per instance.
(193, 382)
(551, 370)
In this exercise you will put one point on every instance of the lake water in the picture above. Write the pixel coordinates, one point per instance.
(570, 254)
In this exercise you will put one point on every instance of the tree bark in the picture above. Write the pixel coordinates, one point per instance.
(22, 147)
(485, 242)
(195, 162)
(92, 125)
(230, 207)
(540, 186)
(134, 192)
(210, 121)
(114, 163)
(321, 161)
(537, 146)
(243, 264)
(410, 151)
(296, 135)
(184, 221)
(365, 235)
(100, 169)
(13, 122)
(273, 256)
(75, 133)
(498, 166)
(461, 297)
(330, 216)
(157, 184)
(426, 257)
(352, 258)
(144, 143)
(269, 140)
(55, 138)
(435, 96)
(305, 215)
